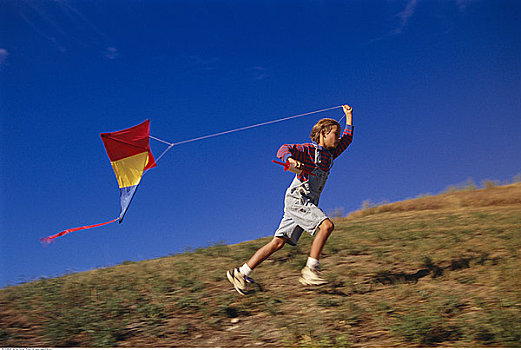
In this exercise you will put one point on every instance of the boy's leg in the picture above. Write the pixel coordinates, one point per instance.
(311, 272)
(324, 230)
(264, 252)
(238, 277)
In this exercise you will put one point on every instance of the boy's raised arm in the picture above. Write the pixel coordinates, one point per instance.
(348, 111)
(347, 136)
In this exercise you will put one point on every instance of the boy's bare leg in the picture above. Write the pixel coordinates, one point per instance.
(264, 252)
(238, 277)
(324, 230)
(311, 272)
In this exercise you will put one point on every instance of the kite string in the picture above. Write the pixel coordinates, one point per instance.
(171, 144)
(162, 154)
(155, 138)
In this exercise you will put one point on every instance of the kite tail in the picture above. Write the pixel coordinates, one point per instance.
(47, 240)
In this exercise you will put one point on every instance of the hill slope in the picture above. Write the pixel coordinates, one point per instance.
(441, 270)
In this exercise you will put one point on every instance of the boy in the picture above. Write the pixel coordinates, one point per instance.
(301, 211)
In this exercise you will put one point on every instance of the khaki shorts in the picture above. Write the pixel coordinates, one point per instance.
(300, 214)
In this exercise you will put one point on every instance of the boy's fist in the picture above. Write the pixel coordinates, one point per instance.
(349, 114)
(294, 163)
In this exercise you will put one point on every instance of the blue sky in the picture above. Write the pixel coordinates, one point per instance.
(435, 87)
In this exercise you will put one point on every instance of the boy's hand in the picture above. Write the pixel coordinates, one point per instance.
(349, 114)
(295, 166)
(294, 163)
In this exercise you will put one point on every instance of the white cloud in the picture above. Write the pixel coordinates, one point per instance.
(405, 15)
(61, 24)
(3, 55)
(259, 73)
(111, 53)
(409, 11)
(206, 63)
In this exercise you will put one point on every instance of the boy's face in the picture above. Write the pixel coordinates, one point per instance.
(331, 139)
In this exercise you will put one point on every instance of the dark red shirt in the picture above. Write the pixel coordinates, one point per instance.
(305, 153)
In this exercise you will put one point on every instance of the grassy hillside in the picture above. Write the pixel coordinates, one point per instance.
(433, 271)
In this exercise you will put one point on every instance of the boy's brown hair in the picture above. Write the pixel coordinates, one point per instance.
(323, 126)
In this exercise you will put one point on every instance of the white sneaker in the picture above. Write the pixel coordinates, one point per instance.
(311, 277)
(238, 280)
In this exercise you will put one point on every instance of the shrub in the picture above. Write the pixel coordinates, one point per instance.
(488, 184)
(327, 302)
(336, 213)
(500, 328)
(424, 329)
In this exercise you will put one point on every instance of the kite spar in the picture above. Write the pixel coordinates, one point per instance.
(130, 156)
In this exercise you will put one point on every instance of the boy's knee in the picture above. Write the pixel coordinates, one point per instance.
(327, 225)
(278, 243)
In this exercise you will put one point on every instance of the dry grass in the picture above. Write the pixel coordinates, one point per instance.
(491, 195)
(437, 271)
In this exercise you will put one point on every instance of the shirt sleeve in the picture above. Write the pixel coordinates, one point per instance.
(295, 151)
(345, 141)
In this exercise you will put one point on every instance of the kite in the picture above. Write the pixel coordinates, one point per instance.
(130, 156)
